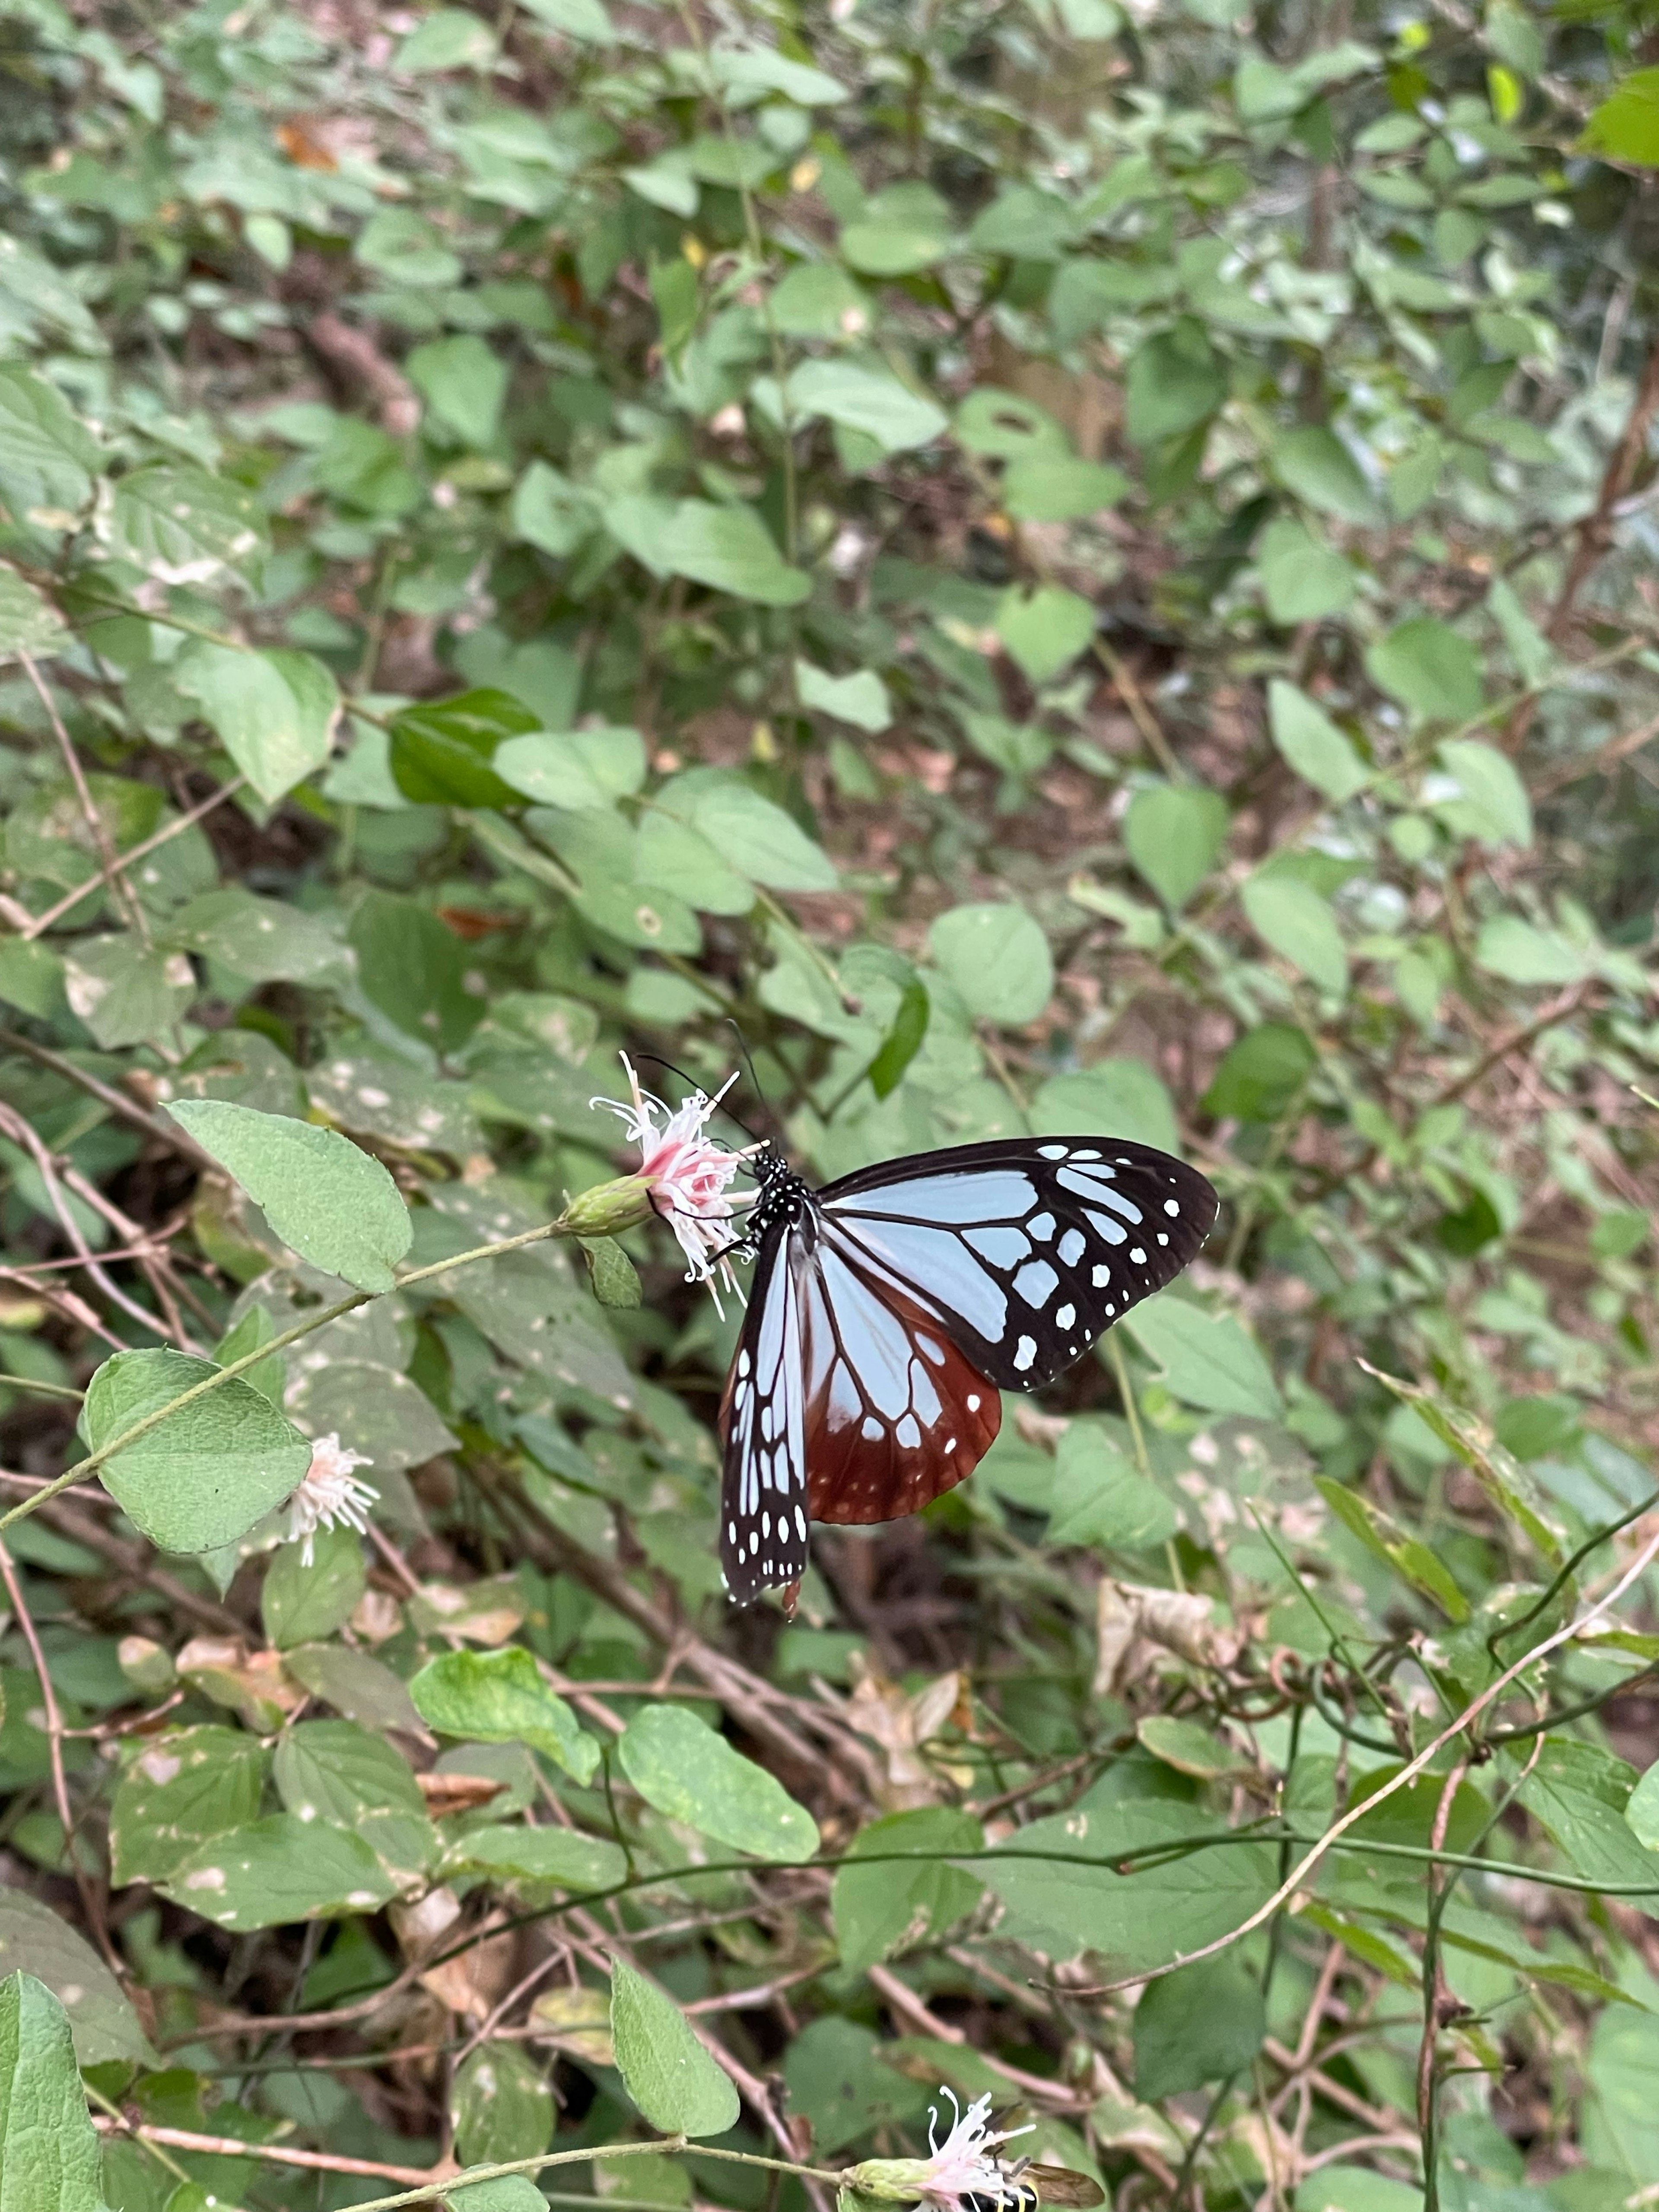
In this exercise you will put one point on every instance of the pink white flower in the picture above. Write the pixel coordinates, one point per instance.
(964, 2165)
(330, 1493)
(963, 2174)
(690, 1178)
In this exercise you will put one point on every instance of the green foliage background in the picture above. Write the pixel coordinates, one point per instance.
(1070, 568)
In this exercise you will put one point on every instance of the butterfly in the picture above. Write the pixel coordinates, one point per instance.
(889, 1308)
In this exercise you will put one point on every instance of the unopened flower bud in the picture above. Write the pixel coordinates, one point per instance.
(890, 2180)
(610, 1208)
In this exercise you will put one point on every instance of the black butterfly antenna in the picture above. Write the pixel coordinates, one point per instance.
(749, 1062)
(656, 1059)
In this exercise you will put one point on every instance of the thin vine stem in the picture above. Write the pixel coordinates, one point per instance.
(221, 1376)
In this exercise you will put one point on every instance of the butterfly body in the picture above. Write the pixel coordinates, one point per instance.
(890, 1308)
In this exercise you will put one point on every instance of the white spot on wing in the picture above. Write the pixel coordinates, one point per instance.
(1025, 1353)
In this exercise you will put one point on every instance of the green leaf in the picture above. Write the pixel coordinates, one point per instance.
(1642, 1812)
(1625, 126)
(280, 1870)
(869, 401)
(1581, 1794)
(1520, 953)
(1310, 743)
(261, 938)
(1299, 926)
(336, 1771)
(127, 991)
(35, 1940)
(1314, 463)
(400, 245)
(1504, 1480)
(499, 1696)
(1137, 1919)
(50, 2160)
(672, 857)
(902, 229)
(678, 2086)
(1174, 833)
(861, 699)
(1044, 629)
(374, 1410)
(505, 2192)
(881, 1910)
(730, 550)
(183, 527)
(1115, 1097)
(1494, 806)
(362, 1688)
(674, 285)
(1261, 1077)
(1099, 1498)
(564, 1857)
(205, 1475)
(441, 754)
(589, 21)
(550, 512)
(180, 1790)
(332, 1203)
(502, 2107)
(842, 2085)
(274, 712)
(680, 1765)
(1301, 579)
(302, 1604)
(1007, 426)
(903, 1040)
(447, 38)
(748, 69)
(1206, 1359)
(612, 1273)
(414, 970)
(998, 960)
(47, 457)
(1173, 383)
(1382, 1536)
(462, 380)
(581, 770)
(1203, 2023)
(1045, 487)
(1430, 669)
(747, 832)
(1189, 1747)
(29, 622)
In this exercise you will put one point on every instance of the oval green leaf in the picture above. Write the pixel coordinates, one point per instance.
(206, 1474)
(330, 1202)
(671, 2077)
(681, 1766)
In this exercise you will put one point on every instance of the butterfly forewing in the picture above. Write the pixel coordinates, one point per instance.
(763, 1505)
(1024, 1250)
(889, 1309)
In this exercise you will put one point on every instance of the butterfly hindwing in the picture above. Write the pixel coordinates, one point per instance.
(1024, 1250)
(896, 1415)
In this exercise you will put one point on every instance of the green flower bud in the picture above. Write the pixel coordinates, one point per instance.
(609, 1208)
(890, 2180)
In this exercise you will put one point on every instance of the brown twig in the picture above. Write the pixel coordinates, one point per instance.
(314, 2161)
(1596, 529)
(119, 889)
(122, 861)
(129, 1109)
(92, 1905)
